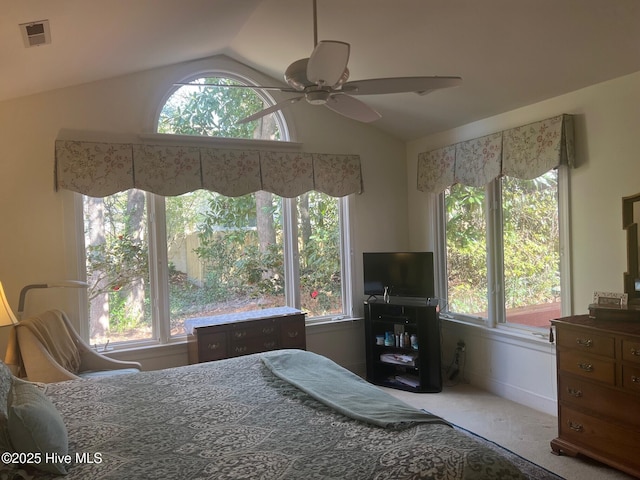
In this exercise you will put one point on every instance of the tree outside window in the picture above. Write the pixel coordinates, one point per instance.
(222, 254)
(527, 240)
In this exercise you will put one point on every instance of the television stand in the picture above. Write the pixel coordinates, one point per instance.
(414, 365)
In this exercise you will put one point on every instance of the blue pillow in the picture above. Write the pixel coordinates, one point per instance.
(36, 426)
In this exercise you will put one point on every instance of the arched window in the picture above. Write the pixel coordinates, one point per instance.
(155, 261)
(213, 105)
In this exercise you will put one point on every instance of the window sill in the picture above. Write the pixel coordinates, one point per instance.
(331, 320)
(533, 337)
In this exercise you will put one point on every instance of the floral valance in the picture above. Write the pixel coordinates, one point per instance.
(534, 149)
(99, 169)
(524, 152)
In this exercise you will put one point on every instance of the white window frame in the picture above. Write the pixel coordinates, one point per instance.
(495, 273)
(159, 272)
(158, 261)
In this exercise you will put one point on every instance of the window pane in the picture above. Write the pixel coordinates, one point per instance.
(116, 243)
(466, 250)
(531, 249)
(319, 252)
(225, 254)
(215, 111)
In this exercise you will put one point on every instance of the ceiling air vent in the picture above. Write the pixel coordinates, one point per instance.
(35, 34)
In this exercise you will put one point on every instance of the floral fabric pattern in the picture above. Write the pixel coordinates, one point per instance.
(286, 174)
(531, 150)
(337, 175)
(231, 172)
(95, 169)
(232, 419)
(436, 169)
(101, 169)
(478, 160)
(524, 152)
(166, 170)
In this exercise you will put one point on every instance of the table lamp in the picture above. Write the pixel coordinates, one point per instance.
(6, 314)
(8, 319)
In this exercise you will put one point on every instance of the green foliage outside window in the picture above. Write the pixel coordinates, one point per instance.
(530, 233)
(238, 241)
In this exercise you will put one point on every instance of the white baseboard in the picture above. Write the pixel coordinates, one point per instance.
(515, 394)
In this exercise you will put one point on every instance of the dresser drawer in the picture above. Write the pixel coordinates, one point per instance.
(583, 394)
(595, 368)
(611, 440)
(586, 341)
(631, 379)
(293, 333)
(255, 344)
(212, 346)
(631, 350)
(260, 328)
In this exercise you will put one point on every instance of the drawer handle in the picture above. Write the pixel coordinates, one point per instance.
(574, 393)
(293, 334)
(213, 346)
(635, 352)
(584, 343)
(240, 349)
(635, 379)
(268, 330)
(576, 427)
(269, 344)
(587, 367)
(240, 334)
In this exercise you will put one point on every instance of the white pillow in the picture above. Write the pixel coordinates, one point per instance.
(35, 426)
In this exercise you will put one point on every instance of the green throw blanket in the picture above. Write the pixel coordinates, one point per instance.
(343, 390)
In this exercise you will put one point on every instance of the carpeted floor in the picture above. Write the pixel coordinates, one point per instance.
(522, 430)
(530, 469)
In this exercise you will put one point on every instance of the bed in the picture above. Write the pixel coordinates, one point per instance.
(288, 414)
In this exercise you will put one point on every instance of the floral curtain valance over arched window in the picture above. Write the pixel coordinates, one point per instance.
(99, 169)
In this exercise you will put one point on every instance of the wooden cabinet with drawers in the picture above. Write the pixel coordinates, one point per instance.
(233, 335)
(598, 365)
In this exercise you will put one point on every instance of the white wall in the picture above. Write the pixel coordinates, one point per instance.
(38, 238)
(38, 241)
(608, 155)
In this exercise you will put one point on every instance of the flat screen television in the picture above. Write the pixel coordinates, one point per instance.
(406, 274)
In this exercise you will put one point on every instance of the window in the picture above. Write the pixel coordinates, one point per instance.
(531, 244)
(466, 250)
(152, 261)
(503, 250)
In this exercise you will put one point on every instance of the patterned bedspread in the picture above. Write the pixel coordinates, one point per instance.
(233, 419)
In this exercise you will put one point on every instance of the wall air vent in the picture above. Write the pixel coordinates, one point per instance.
(35, 34)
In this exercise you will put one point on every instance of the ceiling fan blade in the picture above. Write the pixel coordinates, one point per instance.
(352, 108)
(271, 109)
(419, 85)
(328, 62)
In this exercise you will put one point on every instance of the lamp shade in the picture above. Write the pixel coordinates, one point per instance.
(6, 314)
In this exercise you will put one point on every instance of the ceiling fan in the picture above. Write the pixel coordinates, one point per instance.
(322, 78)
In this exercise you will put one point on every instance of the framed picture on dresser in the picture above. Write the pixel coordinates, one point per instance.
(610, 299)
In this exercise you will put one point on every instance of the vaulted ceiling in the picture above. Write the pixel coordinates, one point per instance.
(510, 53)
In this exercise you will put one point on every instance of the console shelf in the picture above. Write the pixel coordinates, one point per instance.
(415, 368)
